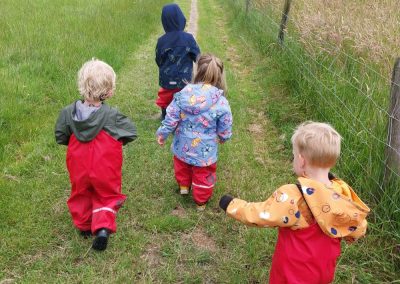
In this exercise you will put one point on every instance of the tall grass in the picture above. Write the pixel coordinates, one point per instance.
(370, 28)
(334, 87)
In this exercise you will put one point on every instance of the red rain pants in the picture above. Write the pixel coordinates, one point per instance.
(201, 179)
(165, 97)
(305, 256)
(95, 174)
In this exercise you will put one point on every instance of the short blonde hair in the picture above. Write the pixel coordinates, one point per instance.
(95, 80)
(210, 70)
(318, 142)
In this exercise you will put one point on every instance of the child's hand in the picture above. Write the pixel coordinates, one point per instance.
(349, 240)
(160, 140)
(224, 201)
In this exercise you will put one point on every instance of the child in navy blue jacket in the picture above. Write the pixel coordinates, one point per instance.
(176, 51)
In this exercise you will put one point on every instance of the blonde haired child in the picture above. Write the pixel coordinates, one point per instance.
(94, 133)
(96, 81)
(200, 118)
(312, 215)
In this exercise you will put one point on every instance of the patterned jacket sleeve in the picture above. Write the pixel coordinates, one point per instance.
(277, 211)
(62, 131)
(224, 123)
(171, 120)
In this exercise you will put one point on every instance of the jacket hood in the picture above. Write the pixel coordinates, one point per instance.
(87, 129)
(337, 209)
(172, 18)
(198, 98)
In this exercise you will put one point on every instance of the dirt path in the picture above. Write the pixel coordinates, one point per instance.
(192, 26)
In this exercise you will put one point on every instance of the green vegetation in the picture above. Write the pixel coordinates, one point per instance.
(349, 93)
(161, 237)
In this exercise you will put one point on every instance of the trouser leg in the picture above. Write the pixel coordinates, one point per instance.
(203, 182)
(183, 172)
(80, 206)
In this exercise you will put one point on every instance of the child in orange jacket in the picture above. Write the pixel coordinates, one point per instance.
(312, 215)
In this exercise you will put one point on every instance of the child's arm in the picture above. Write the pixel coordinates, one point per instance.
(194, 50)
(170, 122)
(224, 124)
(126, 129)
(279, 210)
(158, 56)
(357, 234)
(62, 131)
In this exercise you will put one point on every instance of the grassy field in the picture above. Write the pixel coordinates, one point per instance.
(161, 238)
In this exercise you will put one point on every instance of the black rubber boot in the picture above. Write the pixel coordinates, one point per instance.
(86, 234)
(163, 113)
(101, 239)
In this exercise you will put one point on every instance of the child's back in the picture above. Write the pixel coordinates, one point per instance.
(204, 118)
(176, 50)
(312, 218)
(200, 118)
(94, 133)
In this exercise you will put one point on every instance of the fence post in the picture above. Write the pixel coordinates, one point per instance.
(393, 137)
(285, 16)
(247, 6)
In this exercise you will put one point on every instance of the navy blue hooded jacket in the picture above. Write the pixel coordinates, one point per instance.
(176, 50)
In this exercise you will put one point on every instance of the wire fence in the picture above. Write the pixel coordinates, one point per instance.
(352, 94)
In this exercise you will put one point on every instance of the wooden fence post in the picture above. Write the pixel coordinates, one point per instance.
(285, 16)
(393, 137)
(247, 6)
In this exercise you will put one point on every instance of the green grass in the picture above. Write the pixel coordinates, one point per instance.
(161, 238)
(43, 45)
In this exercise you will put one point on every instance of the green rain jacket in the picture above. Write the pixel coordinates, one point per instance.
(106, 118)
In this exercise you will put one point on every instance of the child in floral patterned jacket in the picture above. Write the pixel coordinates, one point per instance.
(201, 118)
(312, 215)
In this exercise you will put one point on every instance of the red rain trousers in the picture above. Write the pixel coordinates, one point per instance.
(201, 179)
(95, 174)
(305, 256)
(165, 97)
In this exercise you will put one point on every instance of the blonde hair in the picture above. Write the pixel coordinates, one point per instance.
(210, 70)
(318, 142)
(95, 80)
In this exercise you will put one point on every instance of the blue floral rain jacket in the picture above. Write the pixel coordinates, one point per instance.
(200, 117)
